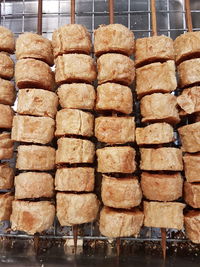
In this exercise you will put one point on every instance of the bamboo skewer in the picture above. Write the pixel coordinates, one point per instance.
(163, 242)
(39, 22)
(72, 11)
(188, 15)
(111, 11)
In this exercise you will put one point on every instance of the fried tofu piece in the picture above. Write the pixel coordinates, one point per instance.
(192, 194)
(115, 68)
(35, 158)
(71, 38)
(33, 129)
(32, 217)
(7, 40)
(161, 187)
(32, 73)
(114, 223)
(34, 102)
(113, 38)
(32, 45)
(6, 117)
(161, 159)
(164, 214)
(74, 121)
(116, 159)
(34, 185)
(78, 179)
(7, 92)
(5, 206)
(115, 130)
(159, 108)
(192, 167)
(6, 66)
(121, 193)
(6, 176)
(156, 78)
(154, 48)
(77, 96)
(75, 209)
(6, 146)
(115, 97)
(189, 100)
(75, 68)
(156, 133)
(192, 225)
(72, 150)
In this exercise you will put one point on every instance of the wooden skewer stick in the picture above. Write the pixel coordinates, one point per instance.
(163, 242)
(36, 241)
(188, 15)
(111, 11)
(72, 11)
(153, 18)
(118, 241)
(39, 23)
(75, 236)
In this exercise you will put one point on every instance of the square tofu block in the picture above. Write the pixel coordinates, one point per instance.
(6, 117)
(6, 176)
(7, 92)
(189, 100)
(192, 194)
(6, 146)
(192, 225)
(6, 206)
(7, 40)
(6, 66)
(192, 167)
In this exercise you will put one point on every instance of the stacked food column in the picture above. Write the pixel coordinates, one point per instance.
(33, 126)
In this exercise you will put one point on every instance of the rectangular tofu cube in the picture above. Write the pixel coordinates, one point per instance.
(192, 167)
(6, 146)
(6, 117)
(6, 206)
(6, 176)
(192, 194)
(192, 225)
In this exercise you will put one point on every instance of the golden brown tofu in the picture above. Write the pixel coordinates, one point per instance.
(32, 217)
(32, 45)
(115, 97)
(151, 49)
(75, 209)
(159, 107)
(6, 176)
(34, 102)
(77, 95)
(6, 116)
(36, 158)
(116, 159)
(189, 100)
(6, 146)
(156, 78)
(192, 167)
(32, 73)
(71, 38)
(115, 68)
(34, 185)
(74, 121)
(161, 187)
(192, 225)
(161, 159)
(156, 133)
(121, 193)
(164, 214)
(7, 40)
(75, 179)
(113, 38)
(5, 206)
(7, 92)
(122, 223)
(33, 129)
(6, 66)
(72, 150)
(75, 67)
(192, 194)
(115, 130)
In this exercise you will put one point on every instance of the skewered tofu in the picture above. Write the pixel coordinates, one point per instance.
(113, 38)
(163, 214)
(6, 116)
(116, 159)
(75, 67)
(156, 78)
(192, 225)
(156, 133)
(75, 209)
(190, 137)
(115, 130)
(6, 176)
(161, 187)
(71, 38)
(151, 49)
(72, 150)
(32, 217)
(189, 100)
(161, 159)
(121, 193)
(120, 223)
(75, 179)
(116, 97)
(115, 68)
(192, 194)
(74, 121)
(32, 73)
(7, 41)
(192, 167)
(6, 146)
(34, 102)
(159, 107)
(33, 129)
(32, 45)
(34, 185)
(77, 96)
(7, 92)
(5, 206)
(33, 157)
(6, 66)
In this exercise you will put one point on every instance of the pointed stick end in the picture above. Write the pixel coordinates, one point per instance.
(118, 241)
(163, 242)
(75, 235)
